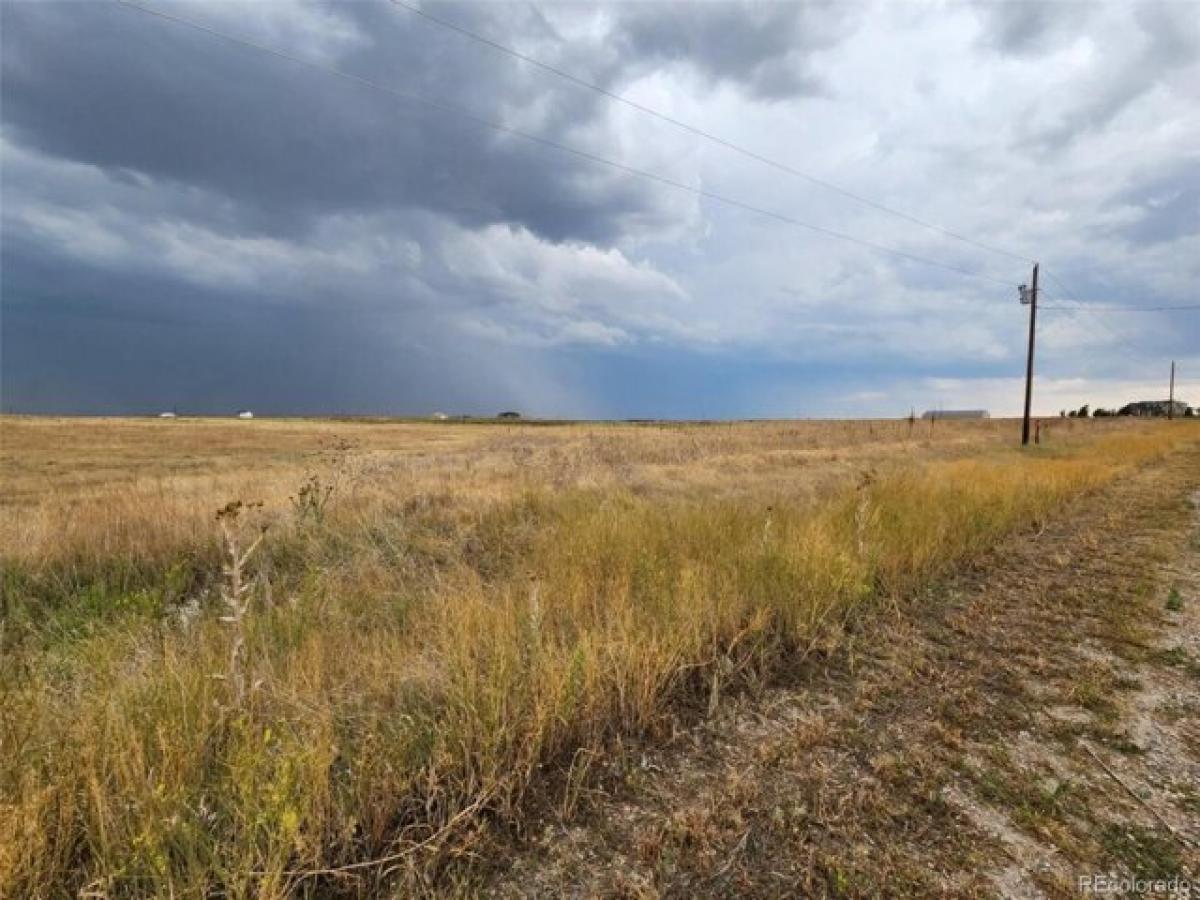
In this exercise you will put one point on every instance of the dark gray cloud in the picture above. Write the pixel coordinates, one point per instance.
(1152, 51)
(112, 87)
(1165, 206)
(764, 48)
(285, 145)
(98, 340)
(1028, 28)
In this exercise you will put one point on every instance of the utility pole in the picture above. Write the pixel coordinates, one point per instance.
(1029, 295)
(1171, 402)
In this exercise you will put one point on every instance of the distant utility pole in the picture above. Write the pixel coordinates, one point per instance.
(1171, 402)
(1029, 295)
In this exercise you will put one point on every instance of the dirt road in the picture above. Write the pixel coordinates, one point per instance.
(1033, 721)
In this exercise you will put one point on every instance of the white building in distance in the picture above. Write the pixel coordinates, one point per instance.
(956, 414)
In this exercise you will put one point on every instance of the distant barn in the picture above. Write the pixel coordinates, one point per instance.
(956, 414)
(1154, 408)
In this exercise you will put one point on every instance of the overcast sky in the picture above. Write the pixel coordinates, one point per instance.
(191, 223)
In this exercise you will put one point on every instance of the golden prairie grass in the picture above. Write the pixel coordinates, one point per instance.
(459, 629)
(104, 489)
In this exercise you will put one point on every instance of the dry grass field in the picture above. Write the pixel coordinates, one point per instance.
(397, 639)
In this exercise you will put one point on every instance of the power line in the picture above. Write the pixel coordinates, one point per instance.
(706, 135)
(555, 145)
(1102, 308)
(1117, 336)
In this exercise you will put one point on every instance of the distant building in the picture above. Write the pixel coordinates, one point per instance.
(166, 415)
(509, 414)
(245, 414)
(439, 417)
(956, 414)
(1153, 408)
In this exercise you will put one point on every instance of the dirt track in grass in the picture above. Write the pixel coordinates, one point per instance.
(1031, 721)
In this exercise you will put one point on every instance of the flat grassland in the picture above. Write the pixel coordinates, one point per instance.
(406, 636)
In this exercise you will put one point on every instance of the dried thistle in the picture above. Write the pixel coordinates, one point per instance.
(236, 591)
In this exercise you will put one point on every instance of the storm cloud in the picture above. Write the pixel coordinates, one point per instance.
(193, 222)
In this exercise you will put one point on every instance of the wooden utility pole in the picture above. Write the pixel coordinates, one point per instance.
(1032, 295)
(1171, 402)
